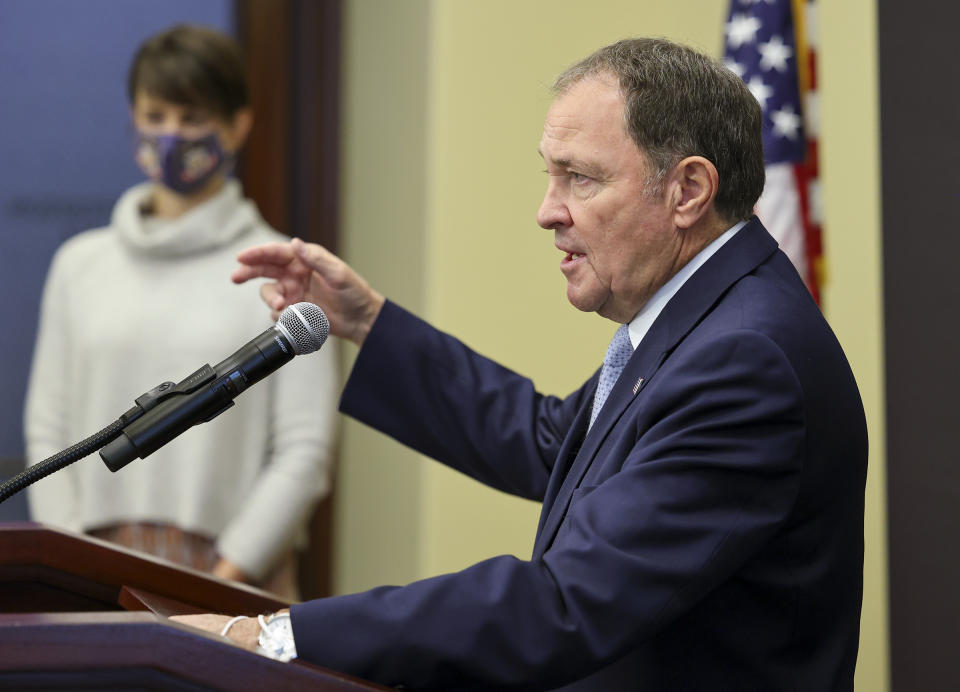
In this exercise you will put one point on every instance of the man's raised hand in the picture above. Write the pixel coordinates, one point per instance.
(306, 271)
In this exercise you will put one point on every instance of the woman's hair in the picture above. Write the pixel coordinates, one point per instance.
(191, 66)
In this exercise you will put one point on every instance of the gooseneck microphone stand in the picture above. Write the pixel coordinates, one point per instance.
(60, 460)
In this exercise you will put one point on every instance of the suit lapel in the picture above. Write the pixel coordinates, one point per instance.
(643, 364)
(569, 451)
(739, 256)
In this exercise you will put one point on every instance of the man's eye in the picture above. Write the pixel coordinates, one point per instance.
(579, 178)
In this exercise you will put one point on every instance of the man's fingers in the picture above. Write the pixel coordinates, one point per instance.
(279, 261)
(273, 295)
(211, 622)
(316, 257)
(270, 261)
(300, 271)
(244, 631)
(245, 272)
(268, 253)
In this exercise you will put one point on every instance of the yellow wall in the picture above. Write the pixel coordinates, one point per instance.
(377, 539)
(443, 111)
(853, 299)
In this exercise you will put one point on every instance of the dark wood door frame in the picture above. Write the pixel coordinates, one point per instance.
(290, 165)
(920, 114)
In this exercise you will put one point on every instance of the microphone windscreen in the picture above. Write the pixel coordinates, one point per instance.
(305, 325)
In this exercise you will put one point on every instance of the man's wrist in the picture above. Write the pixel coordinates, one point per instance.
(365, 325)
(276, 636)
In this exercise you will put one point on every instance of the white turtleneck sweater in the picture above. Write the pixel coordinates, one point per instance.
(146, 300)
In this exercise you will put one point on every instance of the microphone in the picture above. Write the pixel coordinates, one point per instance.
(169, 409)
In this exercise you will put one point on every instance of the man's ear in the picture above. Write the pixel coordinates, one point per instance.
(694, 184)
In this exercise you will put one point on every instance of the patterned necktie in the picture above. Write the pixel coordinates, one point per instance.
(618, 353)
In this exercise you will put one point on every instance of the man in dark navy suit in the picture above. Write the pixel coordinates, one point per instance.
(702, 524)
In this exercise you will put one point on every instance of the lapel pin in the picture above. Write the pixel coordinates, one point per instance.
(637, 385)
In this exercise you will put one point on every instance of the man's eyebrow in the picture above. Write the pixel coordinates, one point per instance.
(559, 162)
(573, 163)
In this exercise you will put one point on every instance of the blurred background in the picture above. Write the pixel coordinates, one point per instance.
(403, 133)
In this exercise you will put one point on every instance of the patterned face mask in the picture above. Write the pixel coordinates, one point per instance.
(181, 164)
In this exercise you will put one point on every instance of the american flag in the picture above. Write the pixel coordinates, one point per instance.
(770, 45)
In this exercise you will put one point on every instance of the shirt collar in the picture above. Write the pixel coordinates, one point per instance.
(640, 325)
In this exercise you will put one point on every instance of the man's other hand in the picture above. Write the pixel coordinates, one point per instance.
(244, 632)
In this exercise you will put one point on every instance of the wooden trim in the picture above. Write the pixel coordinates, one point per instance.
(69, 650)
(290, 167)
(97, 570)
(316, 173)
(919, 110)
(85, 640)
(264, 28)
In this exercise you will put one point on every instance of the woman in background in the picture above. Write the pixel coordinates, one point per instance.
(144, 300)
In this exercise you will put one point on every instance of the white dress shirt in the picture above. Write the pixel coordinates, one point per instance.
(641, 323)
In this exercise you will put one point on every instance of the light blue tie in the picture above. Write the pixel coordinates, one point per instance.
(618, 353)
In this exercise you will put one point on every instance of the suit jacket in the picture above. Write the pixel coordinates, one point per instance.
(705, 534)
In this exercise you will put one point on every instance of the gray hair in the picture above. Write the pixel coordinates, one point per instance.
(681, 103)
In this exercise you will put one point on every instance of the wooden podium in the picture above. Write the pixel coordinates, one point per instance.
(80, 613)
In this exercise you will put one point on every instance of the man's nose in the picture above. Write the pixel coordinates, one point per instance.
(553, 213)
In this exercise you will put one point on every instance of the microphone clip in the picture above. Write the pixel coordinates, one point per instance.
(165, 390)
(198, 398)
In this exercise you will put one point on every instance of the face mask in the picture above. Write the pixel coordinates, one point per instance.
(181, 164)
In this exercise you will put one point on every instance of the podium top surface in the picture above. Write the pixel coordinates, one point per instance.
(65, 618)
(95, 569)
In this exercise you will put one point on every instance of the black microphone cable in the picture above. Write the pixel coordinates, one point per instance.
(60, 460)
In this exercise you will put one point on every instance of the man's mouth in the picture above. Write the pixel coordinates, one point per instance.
(572, 256)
